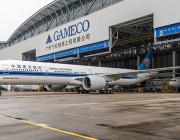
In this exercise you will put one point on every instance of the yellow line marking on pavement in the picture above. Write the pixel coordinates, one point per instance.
(45, 126)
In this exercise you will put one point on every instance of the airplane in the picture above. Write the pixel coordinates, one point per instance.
(16, 72)
(175, 82)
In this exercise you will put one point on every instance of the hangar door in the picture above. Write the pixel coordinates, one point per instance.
(29, 56)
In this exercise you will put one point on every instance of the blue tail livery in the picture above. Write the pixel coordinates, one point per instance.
(146, 63)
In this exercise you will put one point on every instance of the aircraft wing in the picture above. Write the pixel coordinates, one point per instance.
(76, 81)
(116, 76)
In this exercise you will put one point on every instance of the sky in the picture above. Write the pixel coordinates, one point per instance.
(14, 12)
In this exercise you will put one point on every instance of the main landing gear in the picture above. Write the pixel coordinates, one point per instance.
(99, 91)
(83, 91)
(106, 91)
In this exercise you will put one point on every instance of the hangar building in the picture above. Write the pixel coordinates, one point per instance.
(109, 33)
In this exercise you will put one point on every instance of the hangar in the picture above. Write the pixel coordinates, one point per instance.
(109, 33)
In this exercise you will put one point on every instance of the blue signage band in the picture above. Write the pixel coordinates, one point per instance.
(168, 30)
(74, 51)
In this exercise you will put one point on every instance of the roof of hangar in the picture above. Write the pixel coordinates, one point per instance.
(39, 16)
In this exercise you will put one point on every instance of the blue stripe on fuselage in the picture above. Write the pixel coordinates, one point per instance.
(25, 73)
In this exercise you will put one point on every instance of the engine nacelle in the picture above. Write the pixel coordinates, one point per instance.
(54, 87)
(94, 83)
(175, 82)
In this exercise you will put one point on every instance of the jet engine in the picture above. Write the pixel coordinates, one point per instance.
(94, 83)
(175, 82)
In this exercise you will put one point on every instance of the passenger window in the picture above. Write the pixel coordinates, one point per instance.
(24, 66)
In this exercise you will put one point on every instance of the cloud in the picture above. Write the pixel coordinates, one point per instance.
(14, 12)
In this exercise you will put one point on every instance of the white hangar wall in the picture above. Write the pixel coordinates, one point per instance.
(97, 27)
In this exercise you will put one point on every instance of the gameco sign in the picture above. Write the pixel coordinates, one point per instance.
(69, 31)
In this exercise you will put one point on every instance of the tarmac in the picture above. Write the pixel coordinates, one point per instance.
(59, 116)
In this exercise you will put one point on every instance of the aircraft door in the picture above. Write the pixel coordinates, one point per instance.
(45, 75)
(46, 70)
(90, 71)
(5, 69)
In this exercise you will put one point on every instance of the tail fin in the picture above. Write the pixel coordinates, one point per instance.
(147, 60)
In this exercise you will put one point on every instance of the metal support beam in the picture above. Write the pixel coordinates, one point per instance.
(65, 3)
(82, 7)
(115, 37)
(138, 61)
(103, 2)
(27, 30)
(62, 13)
(42, 15)
(57, 16)
(88, 10)
(32, 32)
(48, 25)
(34, 25)
(41, 19)
(174, 62)
(153, 63)
(99, 63)
(50, 15)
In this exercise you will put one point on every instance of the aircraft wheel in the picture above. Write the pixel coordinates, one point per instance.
(110, 92)
(79, 91)
(101, 91)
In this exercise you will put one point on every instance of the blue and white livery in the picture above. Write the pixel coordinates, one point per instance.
(14, 72)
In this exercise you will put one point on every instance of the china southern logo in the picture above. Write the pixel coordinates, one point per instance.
(147, 62)
(49, 39)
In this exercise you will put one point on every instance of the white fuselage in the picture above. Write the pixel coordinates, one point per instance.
(14, 72)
